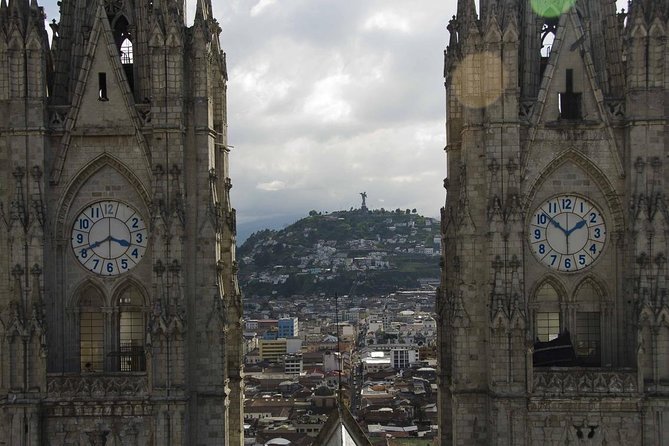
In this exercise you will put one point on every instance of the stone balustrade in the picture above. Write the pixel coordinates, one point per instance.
(567, 381)
(96, 386)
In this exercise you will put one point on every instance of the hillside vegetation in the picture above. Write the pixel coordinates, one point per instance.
(348, 252)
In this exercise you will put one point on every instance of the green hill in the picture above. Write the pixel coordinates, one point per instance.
(348, 252)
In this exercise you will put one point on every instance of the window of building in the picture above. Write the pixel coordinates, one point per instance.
(130, 352)
(126, 52)
(587, 331)
(587, 339)
(547, 325)
(91, 334)
(102, 87)
(123, 39)
(547, 321)
(570, 101)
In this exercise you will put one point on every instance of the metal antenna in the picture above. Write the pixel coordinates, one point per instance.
(338, 345)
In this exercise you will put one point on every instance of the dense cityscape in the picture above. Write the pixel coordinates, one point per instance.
(376, 355)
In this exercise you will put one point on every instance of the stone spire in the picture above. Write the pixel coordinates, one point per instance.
(467, 20)
(203, 10)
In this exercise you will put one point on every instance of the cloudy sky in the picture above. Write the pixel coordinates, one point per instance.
(330, 98)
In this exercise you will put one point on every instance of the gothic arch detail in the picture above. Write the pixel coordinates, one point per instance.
(554, 283)
(85, 174)
(128, 283)
(603, 295)
(74, 300)
(593, 171)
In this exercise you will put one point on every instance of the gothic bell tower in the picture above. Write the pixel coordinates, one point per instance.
(553, 309)
(120, 312)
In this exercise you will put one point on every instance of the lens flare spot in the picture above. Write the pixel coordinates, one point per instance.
(479, 80)
(551, 8)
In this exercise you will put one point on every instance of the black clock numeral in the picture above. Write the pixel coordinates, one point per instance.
(542, 219)
(598, 232)
(134, 253)
(593, 248)
(109, 208)
(566, 203)
(135, 222)
(124, 263)
(542, 248)
(84, 223)
(593, 217)
(553, 259)
(567, 263)
(581, 259)
(95, 212)
(110, 267)
(80, 238)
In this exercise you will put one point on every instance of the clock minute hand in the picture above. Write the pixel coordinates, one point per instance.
(120, 241)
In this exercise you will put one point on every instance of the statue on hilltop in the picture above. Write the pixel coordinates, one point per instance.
(363, 208)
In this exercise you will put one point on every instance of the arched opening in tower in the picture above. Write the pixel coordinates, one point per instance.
(123, 41)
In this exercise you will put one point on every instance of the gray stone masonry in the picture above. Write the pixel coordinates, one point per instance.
(133, 336)
(581, 113)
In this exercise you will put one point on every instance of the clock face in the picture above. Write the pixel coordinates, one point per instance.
(567, 233)
(109, 238)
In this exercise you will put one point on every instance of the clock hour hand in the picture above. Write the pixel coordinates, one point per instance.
(578, 225)
(556, 224)
(96, 244)
(120, 241)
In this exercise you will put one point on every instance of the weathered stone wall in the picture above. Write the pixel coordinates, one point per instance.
(154, 141)
(511, 146)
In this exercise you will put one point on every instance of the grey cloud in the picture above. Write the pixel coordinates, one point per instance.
(374, 65)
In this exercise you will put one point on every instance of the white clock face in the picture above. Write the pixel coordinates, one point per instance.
(109, 238)
(567, 233)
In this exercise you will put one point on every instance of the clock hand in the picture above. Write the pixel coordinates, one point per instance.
(578, 225)
(120, 241)
(556, 224)
(96, 244)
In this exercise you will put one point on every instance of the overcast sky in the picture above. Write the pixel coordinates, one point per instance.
(330, 98)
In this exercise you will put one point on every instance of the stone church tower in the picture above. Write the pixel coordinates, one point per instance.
(120, 313)
(553, 309)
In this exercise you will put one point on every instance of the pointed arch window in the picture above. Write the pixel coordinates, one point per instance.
(126, 52)
(547, 320)
(123, 39)
(548, 31)
(131, 328)
(91, 331)
(587, 329)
